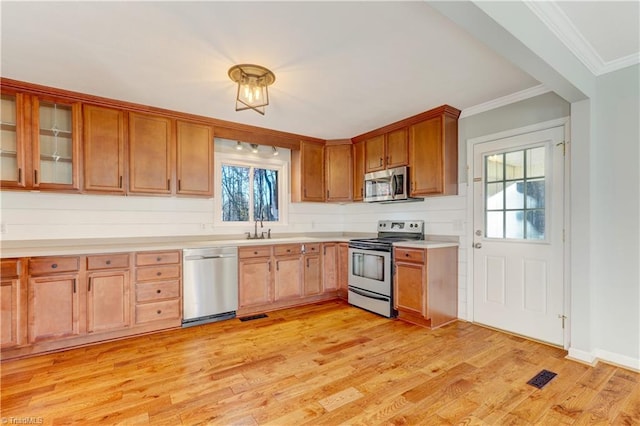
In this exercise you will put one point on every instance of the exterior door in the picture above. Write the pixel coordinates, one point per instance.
(518, 234)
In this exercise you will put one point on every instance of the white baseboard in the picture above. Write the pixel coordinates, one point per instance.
(592, 358)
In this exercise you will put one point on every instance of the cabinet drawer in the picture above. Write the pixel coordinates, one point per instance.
(255, 251)
(108, 261)
(409, 255)
(147, 292)
(158, 311)
(312, 248)
(157, 258)
(287, 249)
(158, 273)
(10, 268)
(48, 265)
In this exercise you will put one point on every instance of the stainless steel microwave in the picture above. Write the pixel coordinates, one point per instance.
(387, 185)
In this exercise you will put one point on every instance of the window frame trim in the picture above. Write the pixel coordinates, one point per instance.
(281, 165)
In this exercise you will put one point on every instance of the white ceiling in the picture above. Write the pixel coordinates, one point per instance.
(342, 68)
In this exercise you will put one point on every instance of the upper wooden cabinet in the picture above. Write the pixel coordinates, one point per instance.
(307, 172)
(151, 148)
(56, 143)
(194, 159)
(386, 151)
(13, 141)
(358, 171)
(426, 142)
(339, 174)
(433, 154)
(104, 149)
(40, 142)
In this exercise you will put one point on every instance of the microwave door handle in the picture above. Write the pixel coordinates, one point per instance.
(394, 185)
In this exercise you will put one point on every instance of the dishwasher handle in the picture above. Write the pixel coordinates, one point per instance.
(216, 256)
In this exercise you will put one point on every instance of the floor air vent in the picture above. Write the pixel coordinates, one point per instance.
(542, 378)
(253, 317)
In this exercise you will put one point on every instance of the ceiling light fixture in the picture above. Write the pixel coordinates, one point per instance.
(238, 146)
(254, 148)
(275, 150)
(253, 81)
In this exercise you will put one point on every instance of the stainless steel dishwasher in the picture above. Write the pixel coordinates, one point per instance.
(210, 284)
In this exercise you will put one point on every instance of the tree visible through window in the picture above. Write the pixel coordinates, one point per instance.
(249, 193)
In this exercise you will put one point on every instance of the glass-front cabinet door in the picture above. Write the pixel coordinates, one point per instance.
(11, 141)
(56, 133)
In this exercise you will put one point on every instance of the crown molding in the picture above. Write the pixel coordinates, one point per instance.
(562, 26)
(505, 100)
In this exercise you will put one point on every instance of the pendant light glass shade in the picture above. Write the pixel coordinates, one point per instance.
(253, 82)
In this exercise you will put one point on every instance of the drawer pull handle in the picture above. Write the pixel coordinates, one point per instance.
(158, 291)
(54, 265)
(158, 273)
(288, 250)
(158, 259)
(108, 262)
(158, 312)
(406, 254)
(255, 252)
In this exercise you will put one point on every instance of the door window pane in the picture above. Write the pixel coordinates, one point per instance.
(515, 194)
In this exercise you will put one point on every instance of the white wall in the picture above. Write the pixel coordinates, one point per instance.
(615, 221)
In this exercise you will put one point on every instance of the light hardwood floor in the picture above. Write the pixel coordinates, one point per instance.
(322, 364)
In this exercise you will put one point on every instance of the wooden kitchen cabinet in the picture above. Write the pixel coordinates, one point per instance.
(55, 146)
(13, 141)
(307, 172)
(386, 151)
(54, 298)
(343, 270)
(151, 154)
(339, 173)
(104, 150)
(312, 280)
(433, 154)
(194, 147)
(254, 276)
(12, 304)
(330, 266)
(287, 278)
(159, 271)
(358, 171)
(40, 142)
(108, 292)
(426, 285)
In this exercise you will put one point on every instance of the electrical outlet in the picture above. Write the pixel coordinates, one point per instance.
(3, 228)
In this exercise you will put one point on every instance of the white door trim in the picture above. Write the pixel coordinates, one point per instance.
(565, 121)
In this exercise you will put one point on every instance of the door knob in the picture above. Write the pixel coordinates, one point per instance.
(477, 245)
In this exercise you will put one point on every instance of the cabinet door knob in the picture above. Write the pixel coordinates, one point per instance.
(108, 262)
(158, 259)
(158, 312)
(158, 273)
(54, 265)
(158, 291)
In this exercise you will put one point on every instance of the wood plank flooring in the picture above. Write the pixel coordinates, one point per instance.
(323, 364)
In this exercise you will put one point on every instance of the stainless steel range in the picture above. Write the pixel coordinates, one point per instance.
(371, 265)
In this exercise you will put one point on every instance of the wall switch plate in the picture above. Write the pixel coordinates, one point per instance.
(3, 228)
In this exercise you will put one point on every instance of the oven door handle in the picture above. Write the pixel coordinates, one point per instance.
(369, 295)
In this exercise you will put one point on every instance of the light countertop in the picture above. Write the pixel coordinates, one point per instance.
(426, 244)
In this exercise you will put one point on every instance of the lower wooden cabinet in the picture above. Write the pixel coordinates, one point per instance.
(54, 298)
(11, 304)
(254, 277)
(312, 270)
(330, 266)
(58, 302)
(158, 281)
(343, 270)
(426, 285)
(277, 276)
